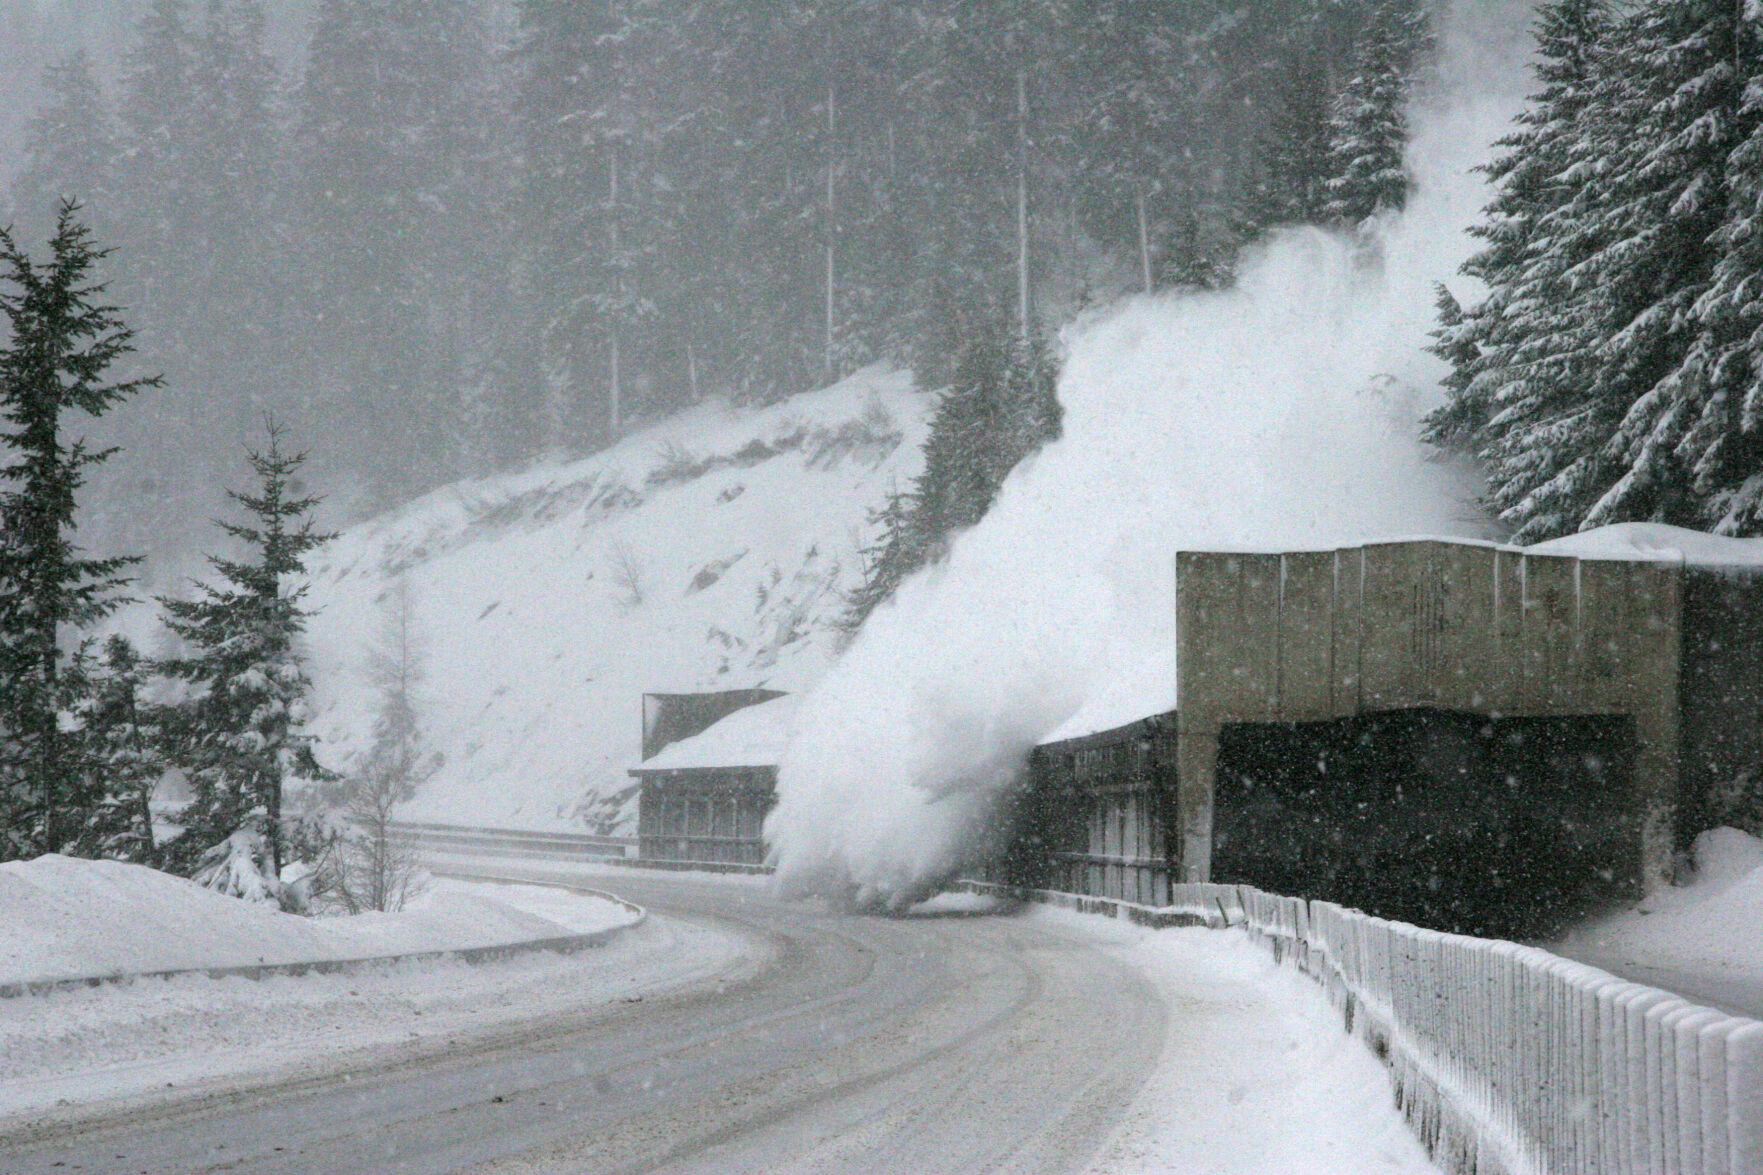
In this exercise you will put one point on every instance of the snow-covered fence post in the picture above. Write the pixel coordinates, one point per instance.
(1744, 1110)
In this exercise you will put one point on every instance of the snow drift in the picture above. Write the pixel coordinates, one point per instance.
(1283, 413)
(69, 918)
(1709, 927)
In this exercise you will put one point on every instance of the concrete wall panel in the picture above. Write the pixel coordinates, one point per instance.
(1306, 635)
(1349, 587)
(1391, 626)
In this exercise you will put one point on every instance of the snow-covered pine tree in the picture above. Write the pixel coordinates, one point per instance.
(1643, 237)
(241, 866)
(205, 269)
(1458, 423)
(1725, 445)
(1523, 357)
(1001, 406)
(1126, 125)
(69, 152)
(1664, 203)
(961, 450)
(60, 341)
(887, 561)
(975, 140)
(1294, 155)
(1368, 126)
(233, 159)
(396, 667)
(240, 735)
(554, 71)
(119, 734)
(155, 214)
(389, 145)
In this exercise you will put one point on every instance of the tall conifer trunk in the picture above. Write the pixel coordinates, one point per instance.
(1022, 283)
(1144, 236)
(832, 228)
(615, 393)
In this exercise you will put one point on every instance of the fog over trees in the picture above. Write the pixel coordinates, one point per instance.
(441, 237)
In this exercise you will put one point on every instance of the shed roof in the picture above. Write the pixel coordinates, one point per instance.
(754, 736)
(1653, 541)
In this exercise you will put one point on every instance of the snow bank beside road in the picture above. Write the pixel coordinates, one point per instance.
(1710, 930)
(164, 1038)
(64, 918)
(1256, 1074)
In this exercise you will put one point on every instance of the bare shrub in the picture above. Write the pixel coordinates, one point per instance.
(626, 573)
(376, 864)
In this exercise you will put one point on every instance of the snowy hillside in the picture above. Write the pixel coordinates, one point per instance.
(710, 551)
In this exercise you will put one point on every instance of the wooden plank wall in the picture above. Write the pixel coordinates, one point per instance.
(1315, 635)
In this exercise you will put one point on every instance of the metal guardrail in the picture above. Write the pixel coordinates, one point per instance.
(448, 840)
(481, 841)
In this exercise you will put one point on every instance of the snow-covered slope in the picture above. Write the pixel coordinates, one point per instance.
(710, 551)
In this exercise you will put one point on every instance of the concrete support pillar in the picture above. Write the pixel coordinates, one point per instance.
(1197, 762)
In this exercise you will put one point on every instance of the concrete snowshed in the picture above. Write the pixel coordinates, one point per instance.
(1464, 736)
(1655, 666)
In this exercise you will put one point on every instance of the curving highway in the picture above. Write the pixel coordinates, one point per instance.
(920, 1044)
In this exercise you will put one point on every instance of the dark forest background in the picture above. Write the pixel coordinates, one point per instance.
(438, 237)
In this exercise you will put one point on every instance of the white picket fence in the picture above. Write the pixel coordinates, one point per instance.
(1509, 1060)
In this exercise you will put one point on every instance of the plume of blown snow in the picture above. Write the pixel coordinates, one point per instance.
(1281, 414)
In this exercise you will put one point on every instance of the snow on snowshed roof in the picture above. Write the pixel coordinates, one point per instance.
(754, 736)
(1639, 542)
(1655, 541)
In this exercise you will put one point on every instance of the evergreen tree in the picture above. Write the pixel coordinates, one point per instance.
(389, 150)
(156, 216)
(887, 561)
(1129, 132)
(1295, 155)
(396, 760)
(233, 159)
(590, 203)
(1524, 358)
(1002, 406)
(1661, 211)
(1725, 444)
(61, 343)
(240, 735)
(1611, 362)
(1457, 340)
(120, 734)
(1368, 126)
(201, 205)
(68, 151)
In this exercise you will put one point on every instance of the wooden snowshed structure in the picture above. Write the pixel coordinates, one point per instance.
(708, 776)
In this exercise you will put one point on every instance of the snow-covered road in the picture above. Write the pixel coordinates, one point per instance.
(941, 1042)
